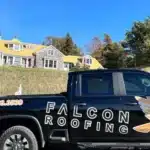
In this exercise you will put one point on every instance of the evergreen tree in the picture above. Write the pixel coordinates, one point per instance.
(68, 45)
(113, 53)
(64, 44)
(138, 38)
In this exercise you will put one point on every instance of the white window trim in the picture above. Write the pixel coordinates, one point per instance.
(48, 64)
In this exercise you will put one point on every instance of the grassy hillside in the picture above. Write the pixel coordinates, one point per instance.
(34, 81)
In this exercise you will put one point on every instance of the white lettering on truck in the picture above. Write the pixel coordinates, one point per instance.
(62, 109)
(105, 117)
(89, 112)
(76, 113)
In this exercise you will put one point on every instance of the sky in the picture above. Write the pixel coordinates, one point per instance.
(33, 20)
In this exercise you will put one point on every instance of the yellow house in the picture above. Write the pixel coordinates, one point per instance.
(70, 61)
(17, 53)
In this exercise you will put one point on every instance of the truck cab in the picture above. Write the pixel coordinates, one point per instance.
(112, 107)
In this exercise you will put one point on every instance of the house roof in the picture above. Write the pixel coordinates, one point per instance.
(48, 47)
(71, 59)
(24, 52)
(74, 60)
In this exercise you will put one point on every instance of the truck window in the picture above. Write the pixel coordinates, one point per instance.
(96, 85)
(137, 84)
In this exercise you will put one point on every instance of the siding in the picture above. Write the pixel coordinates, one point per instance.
(44, 54)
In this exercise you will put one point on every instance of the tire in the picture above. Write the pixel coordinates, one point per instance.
(29, 141)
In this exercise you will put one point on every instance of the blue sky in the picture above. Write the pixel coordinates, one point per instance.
(33, 20)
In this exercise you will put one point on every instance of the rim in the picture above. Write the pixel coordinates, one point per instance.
(16, 142)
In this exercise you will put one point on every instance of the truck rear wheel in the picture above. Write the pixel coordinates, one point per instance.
(18, 138)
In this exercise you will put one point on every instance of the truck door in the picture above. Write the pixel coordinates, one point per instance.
(137, 101)
(94, 108)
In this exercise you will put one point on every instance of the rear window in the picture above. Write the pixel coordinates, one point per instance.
(137, 84)
(100, 84)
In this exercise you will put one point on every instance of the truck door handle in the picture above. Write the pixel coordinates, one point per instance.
(81, 104)
(131, 104)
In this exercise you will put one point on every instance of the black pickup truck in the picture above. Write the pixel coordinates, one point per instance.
(101, 108)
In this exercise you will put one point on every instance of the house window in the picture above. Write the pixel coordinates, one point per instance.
(10, 60)
(42, 62)
(46, 63)
(50, 64)
(24, 61)
(6, 45)
(11, 46)
(71, 65)
(4, 60)
(55, 64)
(88, 61)
(29, 62)
(66, 65)
(50, 52)
(24, 46)
(16, 47)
